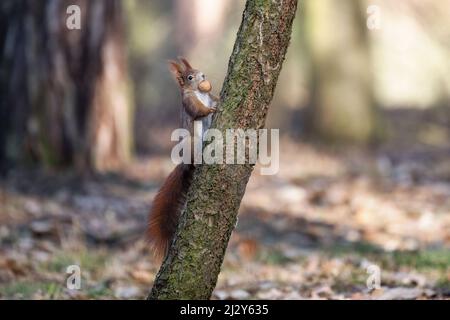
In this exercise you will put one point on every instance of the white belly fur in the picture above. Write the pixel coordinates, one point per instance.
(206, 121)
(204, 98)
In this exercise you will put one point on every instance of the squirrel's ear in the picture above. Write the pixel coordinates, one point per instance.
(174, 67)
(177, 71)
(185, 62)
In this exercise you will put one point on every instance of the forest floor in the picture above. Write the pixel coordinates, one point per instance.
(320, 229)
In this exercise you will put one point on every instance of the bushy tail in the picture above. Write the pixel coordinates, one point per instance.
(166, 208)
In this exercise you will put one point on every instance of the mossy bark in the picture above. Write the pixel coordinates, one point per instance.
(193, 263)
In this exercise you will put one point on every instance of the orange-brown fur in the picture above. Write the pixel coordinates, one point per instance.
(171, 198)
(167, 205)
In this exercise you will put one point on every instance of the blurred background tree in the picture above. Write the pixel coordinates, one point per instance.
(65, 97)
(341, 82)
(359, 73)
(343, 106)
(94, 98)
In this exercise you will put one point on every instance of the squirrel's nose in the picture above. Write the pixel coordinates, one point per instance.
(205, 86)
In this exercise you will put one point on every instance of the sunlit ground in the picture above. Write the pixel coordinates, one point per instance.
(309, 232)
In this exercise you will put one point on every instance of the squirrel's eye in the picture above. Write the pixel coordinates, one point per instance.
(190, 77)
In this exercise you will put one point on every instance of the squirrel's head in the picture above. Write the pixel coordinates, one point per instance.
(188, 77)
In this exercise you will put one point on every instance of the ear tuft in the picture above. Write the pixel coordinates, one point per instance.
(185, 62)
(174, 66)
(177, 71)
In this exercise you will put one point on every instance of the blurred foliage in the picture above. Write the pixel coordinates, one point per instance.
(409, 60)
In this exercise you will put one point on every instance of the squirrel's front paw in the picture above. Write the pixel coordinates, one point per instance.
(213, 109)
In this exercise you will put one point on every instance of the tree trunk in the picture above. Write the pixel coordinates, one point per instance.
(343, 107)
(192, 265)
(64, 98)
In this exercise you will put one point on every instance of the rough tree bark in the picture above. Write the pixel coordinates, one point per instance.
(192, 265)
(64, 96)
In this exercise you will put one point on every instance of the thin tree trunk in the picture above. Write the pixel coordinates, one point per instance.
(192, 265)
(64, 97)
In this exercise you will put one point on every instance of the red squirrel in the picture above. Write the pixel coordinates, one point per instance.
(197, 104)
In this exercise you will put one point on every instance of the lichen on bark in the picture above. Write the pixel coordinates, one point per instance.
(191, 268)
